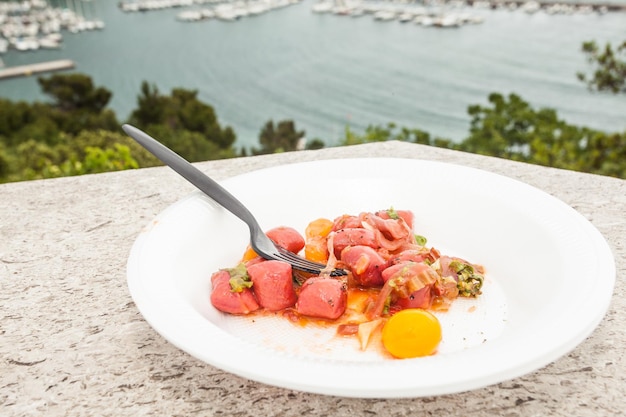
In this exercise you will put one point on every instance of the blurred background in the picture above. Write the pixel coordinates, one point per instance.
(323, 73)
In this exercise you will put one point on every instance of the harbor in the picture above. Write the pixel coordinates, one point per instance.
(326, 72)
(436, 13)
(32, 25)
(455, 13)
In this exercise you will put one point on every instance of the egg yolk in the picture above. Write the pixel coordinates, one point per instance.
(411, 333)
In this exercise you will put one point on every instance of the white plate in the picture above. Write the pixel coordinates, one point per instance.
(549, 280)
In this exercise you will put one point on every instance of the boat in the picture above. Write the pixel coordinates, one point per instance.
(405, 17)
(424, 20)
(226, 12)
(4, 45)
(258, 8)
(26, 44)
(207, 13)
(357, 12)
(190, 16)
(49, 43)
(322, 7)
(530, 7)
(447, 21)
(385, 15)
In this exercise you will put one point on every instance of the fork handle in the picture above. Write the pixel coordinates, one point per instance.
(193, 175)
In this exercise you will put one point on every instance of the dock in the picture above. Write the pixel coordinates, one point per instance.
(31, 69)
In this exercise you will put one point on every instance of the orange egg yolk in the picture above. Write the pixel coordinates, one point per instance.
(411, 333)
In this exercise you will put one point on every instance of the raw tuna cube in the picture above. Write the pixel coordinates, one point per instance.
(322, 297)
(287, 238)
(224, 299)
(353, 237)
(272, 284)
(366, 265)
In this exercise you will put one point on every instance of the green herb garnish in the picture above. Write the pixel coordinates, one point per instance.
(239, 278)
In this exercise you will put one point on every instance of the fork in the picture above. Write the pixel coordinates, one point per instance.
(259, 241)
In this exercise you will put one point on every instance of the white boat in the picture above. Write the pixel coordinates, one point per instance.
(49, 43)
(322, 7)
(447, 21)
(357, 12)
(4, 45)
(341, 10)
(26, 44)
(470, 19)
(207, 13)
(530, 7)
(385, 15)
(258, 8)
(405, 17)
(226, 12)
(55, 37)
(424, 20)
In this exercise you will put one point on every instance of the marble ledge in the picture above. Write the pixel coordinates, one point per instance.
(72, 342)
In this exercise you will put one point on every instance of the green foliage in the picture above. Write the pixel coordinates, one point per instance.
(13, 117)
(609, 64)
(510, 128)
(193, 146)
(181, 119)
(150, 106)
(282, 137)
(87, 153)
(96, 160)
(315, 143)
(75, 133)
(391, 132)
(72, 92)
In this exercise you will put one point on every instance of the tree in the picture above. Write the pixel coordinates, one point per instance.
(181, 118)
(192, 146)
(5, 162)
(150, 106)
(384, 133)
(282, 137)
(610, 67)
(77, 103)
(13, 117)
(75, 92)
(512, 129)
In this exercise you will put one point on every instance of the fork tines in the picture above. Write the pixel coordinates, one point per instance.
(305, 265)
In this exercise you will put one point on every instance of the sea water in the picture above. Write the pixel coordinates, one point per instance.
(328, 72)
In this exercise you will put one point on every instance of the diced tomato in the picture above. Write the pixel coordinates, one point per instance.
(318, 229)
(228, 301)
(287, 238)
(272, 284)
(249, 254)
(316, 249)
(323, 298)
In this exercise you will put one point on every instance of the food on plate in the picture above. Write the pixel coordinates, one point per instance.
(393, 279)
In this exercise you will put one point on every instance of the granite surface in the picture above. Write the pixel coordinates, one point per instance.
(73, 343)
